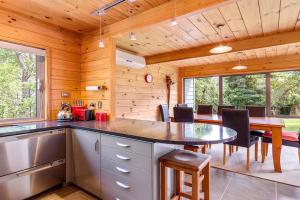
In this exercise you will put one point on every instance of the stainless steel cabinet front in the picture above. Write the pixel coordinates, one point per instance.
(29, 150)
(26, 184)
(86, 147)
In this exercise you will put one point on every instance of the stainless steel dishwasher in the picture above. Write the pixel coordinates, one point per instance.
(31, 163)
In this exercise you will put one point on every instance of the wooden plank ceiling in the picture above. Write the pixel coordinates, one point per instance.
(243, 19)
(75, 14)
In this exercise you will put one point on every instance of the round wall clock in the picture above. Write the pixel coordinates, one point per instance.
(148, 78)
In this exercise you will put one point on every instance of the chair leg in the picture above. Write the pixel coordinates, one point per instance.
(256, 151)
(163, 182)
(209, 146)
(248, 159)
(299, 154)
(224, 155)
(263, 152)
(230, 150)
(267, 149)
(236, 148)
(203, 150)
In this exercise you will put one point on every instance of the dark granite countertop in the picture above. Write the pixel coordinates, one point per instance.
(150, 131)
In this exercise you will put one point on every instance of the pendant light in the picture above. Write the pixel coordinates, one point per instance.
(101, 42)
(132, 36)
(220, 48)
(240, 66)
(173, 21)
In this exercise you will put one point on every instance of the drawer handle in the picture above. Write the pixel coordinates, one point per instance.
(124, 171)
(123, 145)
(122, 185)
(122, 157)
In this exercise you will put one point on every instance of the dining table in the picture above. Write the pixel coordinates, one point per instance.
(256, 123)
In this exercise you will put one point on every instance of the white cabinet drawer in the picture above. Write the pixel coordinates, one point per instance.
(126, 159)
(124, 144)
(117, 187)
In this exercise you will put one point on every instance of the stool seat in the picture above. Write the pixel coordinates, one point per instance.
(186, 159)
(186, 162)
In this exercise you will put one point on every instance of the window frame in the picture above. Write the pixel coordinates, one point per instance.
(41, 78)
(267, 85)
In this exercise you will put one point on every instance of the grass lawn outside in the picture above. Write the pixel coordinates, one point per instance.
(292, 124)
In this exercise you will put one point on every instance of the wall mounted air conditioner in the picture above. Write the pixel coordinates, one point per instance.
(126, 59)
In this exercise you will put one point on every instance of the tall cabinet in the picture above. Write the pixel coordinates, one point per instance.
(86, 150)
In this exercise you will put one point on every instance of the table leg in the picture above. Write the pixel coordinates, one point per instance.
(276, 147)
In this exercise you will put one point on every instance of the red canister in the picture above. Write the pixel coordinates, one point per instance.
(101, 117)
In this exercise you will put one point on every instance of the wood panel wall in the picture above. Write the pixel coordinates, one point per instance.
(140, 100)
(97, 68)
(63, 54)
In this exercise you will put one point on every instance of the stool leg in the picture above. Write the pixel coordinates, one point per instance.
(178, 177)
(163, 182)
(195, 185)
(206, 182)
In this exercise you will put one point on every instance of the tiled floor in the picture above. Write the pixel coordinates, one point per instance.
(224, 186)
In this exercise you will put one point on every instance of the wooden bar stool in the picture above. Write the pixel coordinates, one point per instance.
(198, 165)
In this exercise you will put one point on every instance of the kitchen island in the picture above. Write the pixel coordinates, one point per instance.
(117, 159)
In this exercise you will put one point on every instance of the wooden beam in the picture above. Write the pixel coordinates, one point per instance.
(278, 63)
(242, 45)
(158, 14)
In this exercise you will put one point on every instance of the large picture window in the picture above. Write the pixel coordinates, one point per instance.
(278, 91)
(21, 82)
(244, 90)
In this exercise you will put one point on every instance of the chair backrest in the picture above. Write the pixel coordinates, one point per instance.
(220, 108)
(256, 111)
(204, 109)
(238, 120)
(181, 105)
(183, 114)
(164, 111)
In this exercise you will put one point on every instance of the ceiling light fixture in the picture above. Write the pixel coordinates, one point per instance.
(220, 48)
(173, 21)
(240, 66)
(101, 42)
(131, 1)
(132, 36)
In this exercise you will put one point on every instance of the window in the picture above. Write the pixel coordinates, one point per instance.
(285, 93)
(240, 91)
(21, 82)
(278, 91)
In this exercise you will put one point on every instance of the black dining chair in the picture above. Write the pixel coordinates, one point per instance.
(164, 112)
(220, 108)
(238, 120)
(186, 114)
(183, 114)
(289, 138)
(204, 110)
(181, 105)
(258, 111)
